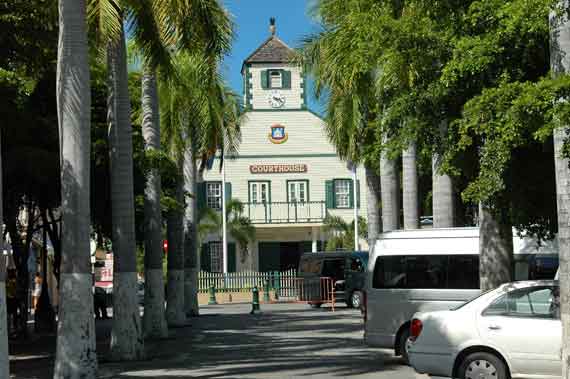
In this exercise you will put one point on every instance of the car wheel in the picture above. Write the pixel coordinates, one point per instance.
(355, 300)
(482, 366)
(403, 344)
(315, 305)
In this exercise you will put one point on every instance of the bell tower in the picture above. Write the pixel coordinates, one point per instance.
(272, 80)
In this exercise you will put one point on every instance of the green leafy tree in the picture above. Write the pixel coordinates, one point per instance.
(341, 233)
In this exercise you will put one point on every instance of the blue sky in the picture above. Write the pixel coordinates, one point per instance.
(251, 18)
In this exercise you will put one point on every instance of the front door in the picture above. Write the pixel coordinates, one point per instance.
(259, 199)
(298, 197)
(525, 324)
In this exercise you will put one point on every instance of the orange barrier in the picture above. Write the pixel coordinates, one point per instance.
(315, 291)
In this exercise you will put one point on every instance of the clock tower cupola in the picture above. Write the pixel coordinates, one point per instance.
(272, 81)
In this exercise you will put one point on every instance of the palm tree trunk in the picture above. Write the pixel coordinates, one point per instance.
(154, 320)
(410, 187)
(390, 194)
(4, 357)
(442, 191)
(126, 335)
(191, 262)
(175, 311)
(560, 64)
(373, 203)
(495, 249)
(75, 347)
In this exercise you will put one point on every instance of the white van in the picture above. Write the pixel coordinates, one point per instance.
(433, 269)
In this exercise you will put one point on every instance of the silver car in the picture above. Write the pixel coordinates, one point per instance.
(513, 331)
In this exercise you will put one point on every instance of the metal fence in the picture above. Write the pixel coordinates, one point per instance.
(283, 283)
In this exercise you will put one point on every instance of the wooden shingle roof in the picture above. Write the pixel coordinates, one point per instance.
(273, 50)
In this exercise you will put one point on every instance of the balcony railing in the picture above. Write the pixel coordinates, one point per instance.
(286, 212)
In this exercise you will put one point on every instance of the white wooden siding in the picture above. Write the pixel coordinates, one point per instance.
(305, 134)
(293, 96)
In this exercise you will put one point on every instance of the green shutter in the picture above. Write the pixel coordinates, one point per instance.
(351, 194)
(358, 193)
(205, 263)
(231, 257)
(201, 195)
(286, 79)
(264, 79)
(228, 192)
(329, 194)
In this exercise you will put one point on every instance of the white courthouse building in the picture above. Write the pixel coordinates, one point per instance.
(286, 173)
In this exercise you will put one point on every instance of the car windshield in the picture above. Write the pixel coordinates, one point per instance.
(472, 300)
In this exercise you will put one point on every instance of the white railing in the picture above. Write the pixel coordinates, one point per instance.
(286, 212)
(282, 282)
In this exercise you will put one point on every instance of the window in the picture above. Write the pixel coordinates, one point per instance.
(311, 266)
(342, 193)
(297, 191)
(356, 265)
(276, 81)
(538, 302)
(216, 259)
(427, 271)
(463, 272)
(334, 268)
(259, 192)
(214, 195)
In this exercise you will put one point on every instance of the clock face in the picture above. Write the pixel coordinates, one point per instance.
(276, 99)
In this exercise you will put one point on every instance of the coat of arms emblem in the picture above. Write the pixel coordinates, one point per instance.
(278, 134)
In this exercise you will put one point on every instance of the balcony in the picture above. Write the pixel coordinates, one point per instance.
(286, 213)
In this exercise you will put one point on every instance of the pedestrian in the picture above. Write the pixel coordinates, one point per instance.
(37, 290)
(11, 299)
(100, 303)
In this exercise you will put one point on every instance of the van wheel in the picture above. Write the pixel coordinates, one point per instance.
(315, 305)
(355, 300)
(482, 366)
(403, 344)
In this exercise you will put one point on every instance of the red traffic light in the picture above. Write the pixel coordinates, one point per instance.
(165, 245)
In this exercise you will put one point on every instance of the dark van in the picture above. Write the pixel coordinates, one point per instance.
(347, 268)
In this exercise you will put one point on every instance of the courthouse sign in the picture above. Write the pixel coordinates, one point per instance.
(277, 168)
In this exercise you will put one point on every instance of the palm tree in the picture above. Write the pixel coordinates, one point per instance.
(239, 226)
(410, 187)
(350, 102)
(175, 315)
(4, 356)
(560, 65)
(342, 232)
(442, 190)
(197, 110)
(75, 352)
(372, 210)
(390, 188)
(108, 17)
(192, 26)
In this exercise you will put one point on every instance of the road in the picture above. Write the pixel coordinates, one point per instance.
(284, 341)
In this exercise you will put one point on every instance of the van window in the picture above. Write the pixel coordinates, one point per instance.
(334, 268)
(312, 266)
(356, 265)
(426, 271)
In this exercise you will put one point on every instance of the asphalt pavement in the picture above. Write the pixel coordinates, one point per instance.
(284, 341)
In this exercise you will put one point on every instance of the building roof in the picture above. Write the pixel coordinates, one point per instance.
(273, 50)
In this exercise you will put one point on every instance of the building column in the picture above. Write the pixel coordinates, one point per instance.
(314, 234)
